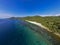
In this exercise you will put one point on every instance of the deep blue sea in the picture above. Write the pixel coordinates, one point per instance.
(15, 32)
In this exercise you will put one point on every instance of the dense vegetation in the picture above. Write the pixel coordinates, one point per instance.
(52, 22)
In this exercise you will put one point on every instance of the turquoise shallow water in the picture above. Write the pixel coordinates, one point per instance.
(31, 37)
(20, 34)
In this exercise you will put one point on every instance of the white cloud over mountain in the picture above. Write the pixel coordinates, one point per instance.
(7, 15)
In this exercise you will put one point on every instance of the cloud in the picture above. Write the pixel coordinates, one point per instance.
(5, 15)
(51, 15)
(8, 15)
(57, 14)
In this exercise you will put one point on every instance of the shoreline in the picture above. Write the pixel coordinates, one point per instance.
(40, 25)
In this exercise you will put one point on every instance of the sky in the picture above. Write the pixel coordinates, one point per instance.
(9, 8)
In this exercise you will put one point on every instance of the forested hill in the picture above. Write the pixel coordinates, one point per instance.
(52, 22)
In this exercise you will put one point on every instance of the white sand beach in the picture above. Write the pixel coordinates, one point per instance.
(39, 24)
